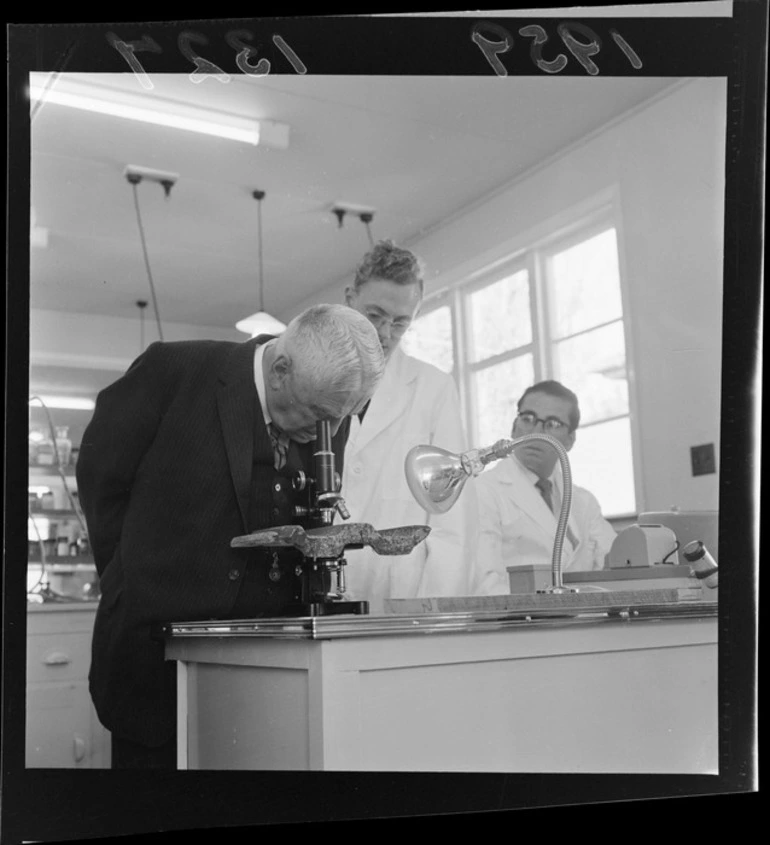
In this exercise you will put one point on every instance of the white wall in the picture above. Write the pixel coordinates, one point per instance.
(665, 165)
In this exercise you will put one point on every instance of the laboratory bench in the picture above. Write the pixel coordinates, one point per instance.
(617, 688)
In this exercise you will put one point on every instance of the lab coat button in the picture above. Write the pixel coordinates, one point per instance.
(234, 574)
(357, 469)
(276, 512)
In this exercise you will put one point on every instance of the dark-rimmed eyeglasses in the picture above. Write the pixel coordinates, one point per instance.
(551, 425)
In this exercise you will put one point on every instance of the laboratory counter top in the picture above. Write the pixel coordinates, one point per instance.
(64, 604)
(431, 621)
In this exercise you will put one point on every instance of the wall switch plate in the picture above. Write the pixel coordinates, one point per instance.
(703, 459)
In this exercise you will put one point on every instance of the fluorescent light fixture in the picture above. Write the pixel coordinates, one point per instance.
(149, 108)
(260, 323)
(72, 403)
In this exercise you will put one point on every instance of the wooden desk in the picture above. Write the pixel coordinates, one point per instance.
(482, 691)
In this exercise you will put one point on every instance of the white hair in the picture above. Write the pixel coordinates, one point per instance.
(338, 349)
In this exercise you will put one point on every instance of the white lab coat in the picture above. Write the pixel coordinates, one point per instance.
(415, 404)
(518, 527)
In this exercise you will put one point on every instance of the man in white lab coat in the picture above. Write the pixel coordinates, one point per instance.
(414, 404)
(519, 498)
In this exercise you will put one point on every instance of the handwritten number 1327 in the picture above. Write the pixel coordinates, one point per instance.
(580, 50)
(203, 67)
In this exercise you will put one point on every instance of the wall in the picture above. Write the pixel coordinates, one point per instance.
(97, 342)
(664, 164)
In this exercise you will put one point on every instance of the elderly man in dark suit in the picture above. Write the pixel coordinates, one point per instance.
(195, 445)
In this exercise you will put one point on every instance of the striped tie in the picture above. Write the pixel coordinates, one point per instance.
(544, 485)
(280, 442)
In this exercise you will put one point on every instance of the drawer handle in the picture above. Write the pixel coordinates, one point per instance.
(79, 748)
(56, 658)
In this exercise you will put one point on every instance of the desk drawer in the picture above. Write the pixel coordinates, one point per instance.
(58, 657)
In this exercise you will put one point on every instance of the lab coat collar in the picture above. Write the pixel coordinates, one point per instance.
(393, 396)
(528, 498)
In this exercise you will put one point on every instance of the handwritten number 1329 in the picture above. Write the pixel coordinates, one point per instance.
(203, 67)
(582, 51)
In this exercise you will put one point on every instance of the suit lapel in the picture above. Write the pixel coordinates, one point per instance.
(237, 402)
(391, 399)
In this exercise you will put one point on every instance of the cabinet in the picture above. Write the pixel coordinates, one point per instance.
(62, 728)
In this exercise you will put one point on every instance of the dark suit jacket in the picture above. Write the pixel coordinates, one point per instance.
(175, 462)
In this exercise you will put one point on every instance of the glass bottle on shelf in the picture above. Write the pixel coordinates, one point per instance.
(63, 445)
(46, 455)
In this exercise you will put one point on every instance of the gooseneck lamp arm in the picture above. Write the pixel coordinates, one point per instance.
(436, 478)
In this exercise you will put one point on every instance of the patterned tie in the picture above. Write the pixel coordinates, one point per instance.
(280, 442)
(545, 485)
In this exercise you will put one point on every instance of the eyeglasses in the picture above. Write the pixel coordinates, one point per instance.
(379, 321)
(551, 425)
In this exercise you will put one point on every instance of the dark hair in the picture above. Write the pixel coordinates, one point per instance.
(387, 261)
(555, 388)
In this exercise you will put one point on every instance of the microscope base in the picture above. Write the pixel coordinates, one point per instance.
(327, 608)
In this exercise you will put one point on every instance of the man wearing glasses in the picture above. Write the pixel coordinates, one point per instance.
(415, 403)
(520, 498)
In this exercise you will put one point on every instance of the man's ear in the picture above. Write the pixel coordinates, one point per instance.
(279, 371)
(350, 295)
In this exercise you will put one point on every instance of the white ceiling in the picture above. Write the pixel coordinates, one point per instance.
(417, 149)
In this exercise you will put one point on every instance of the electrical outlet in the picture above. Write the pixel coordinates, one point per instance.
(703, 459)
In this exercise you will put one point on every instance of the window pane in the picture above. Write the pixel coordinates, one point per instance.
(584, 285)
(601, 462)
(429, 338)
(496, 390)
(593, 365)
(499, 317)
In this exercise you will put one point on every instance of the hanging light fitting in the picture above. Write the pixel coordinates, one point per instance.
(261, 322)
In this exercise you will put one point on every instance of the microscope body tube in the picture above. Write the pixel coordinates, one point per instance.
(325, 474)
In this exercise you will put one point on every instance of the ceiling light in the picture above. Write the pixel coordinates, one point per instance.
(73, 403)
(260, 323)
(149, 108)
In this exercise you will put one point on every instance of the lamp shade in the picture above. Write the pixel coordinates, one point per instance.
(260, 323)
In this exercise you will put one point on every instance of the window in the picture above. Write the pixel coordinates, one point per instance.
(553, 311)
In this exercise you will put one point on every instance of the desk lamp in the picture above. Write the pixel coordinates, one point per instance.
(436, 478)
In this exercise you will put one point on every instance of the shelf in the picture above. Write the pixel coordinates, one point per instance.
(40, 470)
(61, 563)
(55, 514)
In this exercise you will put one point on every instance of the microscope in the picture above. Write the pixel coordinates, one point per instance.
(322, 544)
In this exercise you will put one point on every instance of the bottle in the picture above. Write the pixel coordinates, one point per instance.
(45, 453)
(62, 546)
(703, 566)
(72, 536)
(63, 445)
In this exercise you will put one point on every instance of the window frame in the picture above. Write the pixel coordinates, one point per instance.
(531, 254)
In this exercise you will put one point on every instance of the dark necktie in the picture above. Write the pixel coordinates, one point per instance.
(545, 486)
(280, 442)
